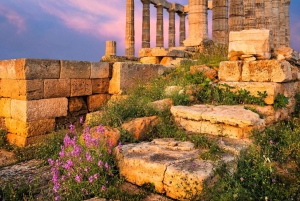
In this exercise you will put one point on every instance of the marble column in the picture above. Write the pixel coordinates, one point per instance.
(287, 22)
(249, 14)
(236, 15)
(111, 48)
(260, 14)
(282, 23)
(220, 21)
(146, 24)
(276, 23)
(182, 28)
(160, 25)
(171, 27)
(198, 29)
(129, 39)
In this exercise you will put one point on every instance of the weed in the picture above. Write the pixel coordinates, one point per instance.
(254, 110)
(280, 101)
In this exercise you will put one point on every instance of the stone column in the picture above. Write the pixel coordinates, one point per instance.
(260, 14)
(282, 23)
(269, 20)
(198, 29)
(182, 28)
(249, 14)
(236, 15)
(146, 24)
(111, 48)
(276, 23)
(129, 39)
(287, 23)
(160, 25)
(171, 27)
(220, 21)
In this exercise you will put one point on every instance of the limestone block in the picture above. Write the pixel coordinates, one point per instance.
(159, 52)
(145, 52)
(25, 141)
(147, 162)
(179, 61)
(29, 129)
(207, 71)
(35, 110)
(139, 128)
(271, 88)
(295, 73)
(289, 54)
(55, 88)
(162, 105)
(149, 60)
(22, 89)
(81, 87)
(75, 70)
(76, 104)
(166, 61)
(176, 53)
(100, 70)
(127, 75)
(185, 179)
(5, 107)
(92, 117)
(230, 71)
(29, 69)
(267, 71)
(95, 102)
(100, 86)
(254, 41)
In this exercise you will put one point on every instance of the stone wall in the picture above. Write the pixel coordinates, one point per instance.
(36, 95)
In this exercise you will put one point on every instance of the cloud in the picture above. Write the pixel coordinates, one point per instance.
(13, 18)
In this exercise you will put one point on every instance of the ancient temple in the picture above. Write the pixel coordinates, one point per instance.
(227, 15)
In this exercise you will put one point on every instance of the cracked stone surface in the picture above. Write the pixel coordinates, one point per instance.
(171, 166)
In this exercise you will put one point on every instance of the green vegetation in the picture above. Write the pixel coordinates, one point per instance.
(280, 101)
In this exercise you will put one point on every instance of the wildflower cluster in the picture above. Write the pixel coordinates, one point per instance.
(84, 167)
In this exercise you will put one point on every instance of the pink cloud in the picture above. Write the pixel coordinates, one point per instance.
(13, 18)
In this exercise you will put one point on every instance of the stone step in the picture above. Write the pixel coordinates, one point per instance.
(173, 167)
(230, 121)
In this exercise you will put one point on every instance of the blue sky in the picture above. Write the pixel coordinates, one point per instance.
(77, 29)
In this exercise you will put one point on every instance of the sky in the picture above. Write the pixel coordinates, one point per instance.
(78, 29)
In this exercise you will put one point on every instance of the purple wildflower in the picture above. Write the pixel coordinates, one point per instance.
(91, 179)
(106, 166)
(273, 180)
(51, 161)
(100, 163)
(100, 129)
(81, 120)
(72, 128)
(103, 188)
(77, 178)
(88, 157)
(242, 179)
(96, 176)
(57, 198)
(271, 142)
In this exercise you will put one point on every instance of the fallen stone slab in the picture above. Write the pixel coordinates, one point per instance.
(230, 121)
(171, 166)
(7, 158)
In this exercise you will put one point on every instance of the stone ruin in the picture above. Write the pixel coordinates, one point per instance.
(227, 16)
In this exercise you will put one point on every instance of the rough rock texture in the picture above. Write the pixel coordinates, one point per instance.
(161, 105)
(126, 75)
(110, 135)
(207, 71)
(6, 158)
(255, 42)
(56, 88)
(75, 69)
(100, 70)
(231, 121)
(156, 162)
(140, 127)
(95, 102)
(289, 54)
(256, 71)
(149, 60)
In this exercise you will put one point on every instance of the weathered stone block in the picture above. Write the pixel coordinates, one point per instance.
(149, 60)
(55, 88)
(100, 86)
(81, 87)
(100, 70)
(207, 71)
(230, 71)
(25, 141)
(145, 52)
(35, 110)
(29, 69)
(267, 71)
(76, 104)
(254, 41)
(29, 129)
(271, 88)
(5, 107)
(166, 61)
(94, 102)
(22, 89)
(75, 69)
(176, 53)
(126, 75)
(159, 52)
